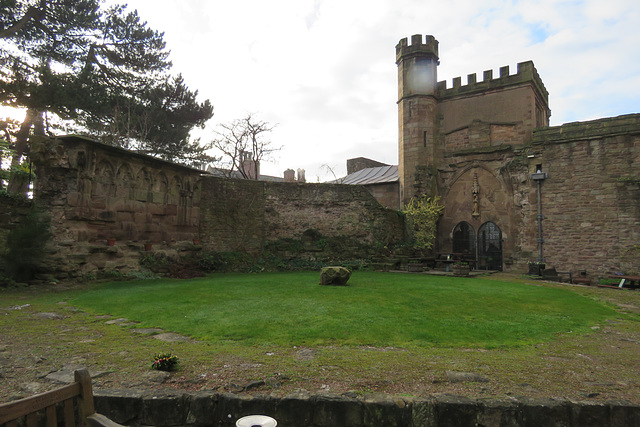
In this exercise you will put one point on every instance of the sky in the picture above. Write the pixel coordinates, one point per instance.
(324, 73)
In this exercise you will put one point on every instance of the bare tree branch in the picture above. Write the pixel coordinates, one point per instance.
(244, 145)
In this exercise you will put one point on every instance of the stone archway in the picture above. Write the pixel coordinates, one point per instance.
(490, 247)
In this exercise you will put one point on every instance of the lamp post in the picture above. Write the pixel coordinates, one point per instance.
(539, 177)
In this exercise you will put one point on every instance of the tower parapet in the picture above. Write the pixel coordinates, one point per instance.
(526, 73)
(417, 47)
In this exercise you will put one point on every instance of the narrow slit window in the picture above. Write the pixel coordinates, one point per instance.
(424, 138)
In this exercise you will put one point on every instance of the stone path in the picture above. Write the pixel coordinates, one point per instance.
(65, 375)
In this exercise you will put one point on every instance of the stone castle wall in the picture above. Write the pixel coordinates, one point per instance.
(591, 199)
(294, 219)
(110, 207)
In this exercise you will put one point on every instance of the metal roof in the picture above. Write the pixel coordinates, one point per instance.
(378, 175)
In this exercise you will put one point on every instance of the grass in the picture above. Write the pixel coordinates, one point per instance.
(377, 309)
(404, 332)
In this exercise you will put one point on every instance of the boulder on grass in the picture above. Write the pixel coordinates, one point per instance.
(335, 276)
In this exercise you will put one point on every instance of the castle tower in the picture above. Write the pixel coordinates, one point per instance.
(417, 83)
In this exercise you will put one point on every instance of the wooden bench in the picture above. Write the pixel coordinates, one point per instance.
(631, 282)
(34, 408)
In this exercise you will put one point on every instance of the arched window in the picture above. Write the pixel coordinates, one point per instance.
(464, 240)
(490, 247)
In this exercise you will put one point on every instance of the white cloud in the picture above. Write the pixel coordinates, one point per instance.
(325, 71)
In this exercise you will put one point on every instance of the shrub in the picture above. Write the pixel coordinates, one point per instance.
(423, 213)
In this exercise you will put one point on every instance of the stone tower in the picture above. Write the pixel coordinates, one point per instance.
(417, 106)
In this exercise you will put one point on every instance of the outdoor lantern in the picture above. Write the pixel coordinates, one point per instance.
(256, 421)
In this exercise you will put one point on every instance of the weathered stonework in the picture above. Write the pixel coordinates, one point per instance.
(109, 208)
(208, 408)
(477, 146)
(95, 193)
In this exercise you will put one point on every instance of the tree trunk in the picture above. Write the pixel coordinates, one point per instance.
(19, 181)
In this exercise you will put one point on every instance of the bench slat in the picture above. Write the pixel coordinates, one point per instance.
(32, 420)
(20, 408)
(52, 419)
(69, 415)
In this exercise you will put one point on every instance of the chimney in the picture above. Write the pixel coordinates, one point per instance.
(289, 175)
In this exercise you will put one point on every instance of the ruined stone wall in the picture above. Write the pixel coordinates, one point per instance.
(329, 219)
(97, 193)
(233, 214)
(294, 219)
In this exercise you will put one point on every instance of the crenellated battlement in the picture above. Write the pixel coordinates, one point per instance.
(419, 47)
(526, 73)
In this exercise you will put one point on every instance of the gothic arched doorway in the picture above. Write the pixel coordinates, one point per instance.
(464, 240)
(490, 247)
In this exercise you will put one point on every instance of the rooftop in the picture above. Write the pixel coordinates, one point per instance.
(377, 175)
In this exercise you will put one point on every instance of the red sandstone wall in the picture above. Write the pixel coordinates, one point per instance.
(591, 203)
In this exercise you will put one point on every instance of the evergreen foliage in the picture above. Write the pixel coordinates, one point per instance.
(423, 213)
(79, 66)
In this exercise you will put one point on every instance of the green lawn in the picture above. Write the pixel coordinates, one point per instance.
(378, 309)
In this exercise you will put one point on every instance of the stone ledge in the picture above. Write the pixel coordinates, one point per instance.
(175, 408)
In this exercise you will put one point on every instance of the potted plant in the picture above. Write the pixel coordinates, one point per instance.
(535, 268)
(460, 269)
(415, 266)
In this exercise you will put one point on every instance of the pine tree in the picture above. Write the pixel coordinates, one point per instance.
(72, 62)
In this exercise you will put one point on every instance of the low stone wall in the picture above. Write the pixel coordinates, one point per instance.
(301, 409)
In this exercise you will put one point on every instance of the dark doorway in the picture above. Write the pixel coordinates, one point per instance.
(490, 247)
(464, 240)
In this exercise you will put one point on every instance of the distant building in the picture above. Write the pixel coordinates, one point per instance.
(380, 179)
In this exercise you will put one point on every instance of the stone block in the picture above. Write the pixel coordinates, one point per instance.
(333, 410)
(544, 412)
(423, 414)
(232, 407)
(121, 406)
(161, 409)
(454, 411)
(394, 411)
(589, 414)
(624, 413)
(496, 412)
(202, 408)
(295, 409)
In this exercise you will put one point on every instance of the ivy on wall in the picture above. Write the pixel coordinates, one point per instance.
(423, 213)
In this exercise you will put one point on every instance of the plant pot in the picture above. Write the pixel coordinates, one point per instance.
(111, 241)
(415, 268)
(536, 269)
(460, 270)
